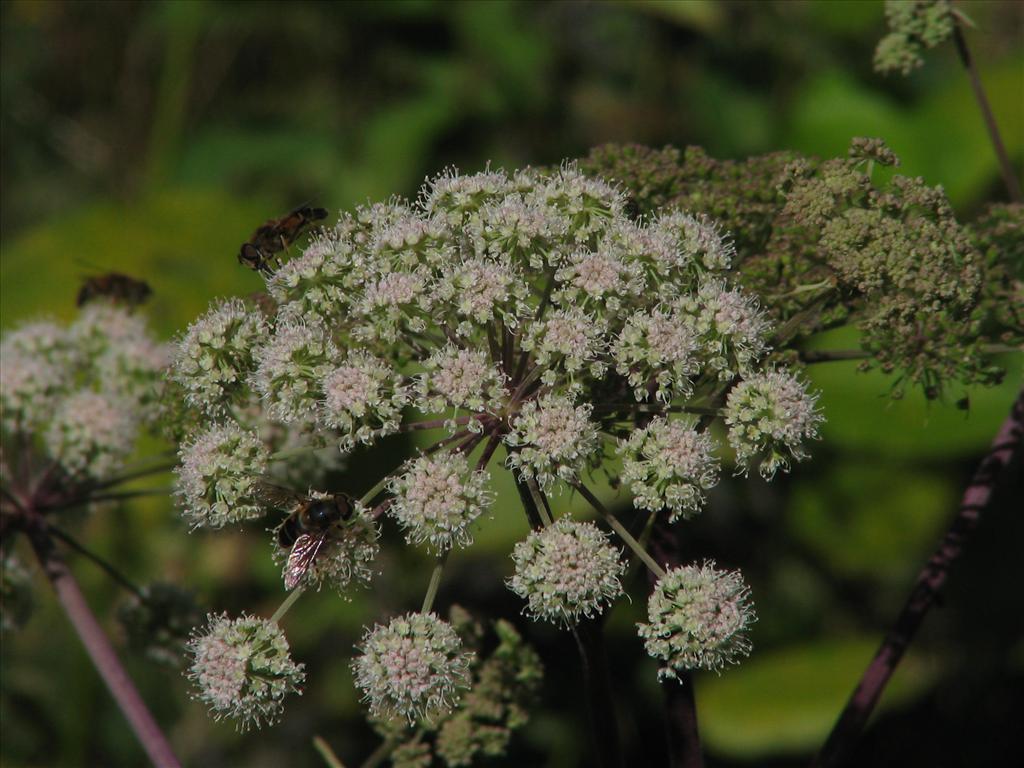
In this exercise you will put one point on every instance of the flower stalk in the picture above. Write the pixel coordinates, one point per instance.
(992, 470)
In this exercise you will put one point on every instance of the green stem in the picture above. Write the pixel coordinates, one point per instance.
(380, 754)
(327, 753)
(811, 356)
(435, 582)
(287, 453)
(620, 529)
(372, 493)
(152, 469)
(288, 603)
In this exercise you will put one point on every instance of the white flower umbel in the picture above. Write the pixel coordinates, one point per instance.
(700, 246)
(731, 327)
(215, 356)
(669, 465)
(242, 669)
(698, 619)
(92, 434)
(437, 498)
(567, 340)
(291, 367)
(30, 386)
(459, 379)
(363, 398)
(553, 439)
(218, 476)
(657, 350)
(566, 571)
(413, 667)
(770, 416)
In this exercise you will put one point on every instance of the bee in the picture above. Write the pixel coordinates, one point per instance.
(311, 522)
(118, 288)
(259, 251)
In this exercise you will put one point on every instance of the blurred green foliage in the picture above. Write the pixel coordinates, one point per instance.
(152, 138)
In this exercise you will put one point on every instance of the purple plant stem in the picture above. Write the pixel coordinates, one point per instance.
(680, 707)
(102, 654)
(848, 728)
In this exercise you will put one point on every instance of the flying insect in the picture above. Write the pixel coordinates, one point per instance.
(259, 251)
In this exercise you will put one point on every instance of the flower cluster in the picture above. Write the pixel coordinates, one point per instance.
(566, 571)
(214, 358)
(83, 391)
(505, 680)
(217, 478)
(669, 465)
(698, 616)
(915, 25)
(437, 499)
(769, 417)
(830, 243)
(526, 311)
(412, 666)
(243, 669)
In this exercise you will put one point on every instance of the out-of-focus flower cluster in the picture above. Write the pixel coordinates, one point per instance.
(828, 243)
(82, 392)
(914, 26)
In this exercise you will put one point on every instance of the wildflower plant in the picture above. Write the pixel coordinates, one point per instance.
(527, 311)
(75, 402)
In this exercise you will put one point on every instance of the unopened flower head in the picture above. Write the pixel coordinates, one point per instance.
(915, 25)
(566, 571)
(669, 465)
(460, 379)
(345, 557)
(412, 667)
(218, 477)
(438, 498)
(243, 669)
(698, 619)
(770, 416)
(363, 398)
(215, 357)
(92, 434)
(552, 439)
(291, 367)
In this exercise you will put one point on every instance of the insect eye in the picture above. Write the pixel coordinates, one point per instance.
(319, 514)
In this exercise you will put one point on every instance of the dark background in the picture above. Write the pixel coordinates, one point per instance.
(153, 137)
